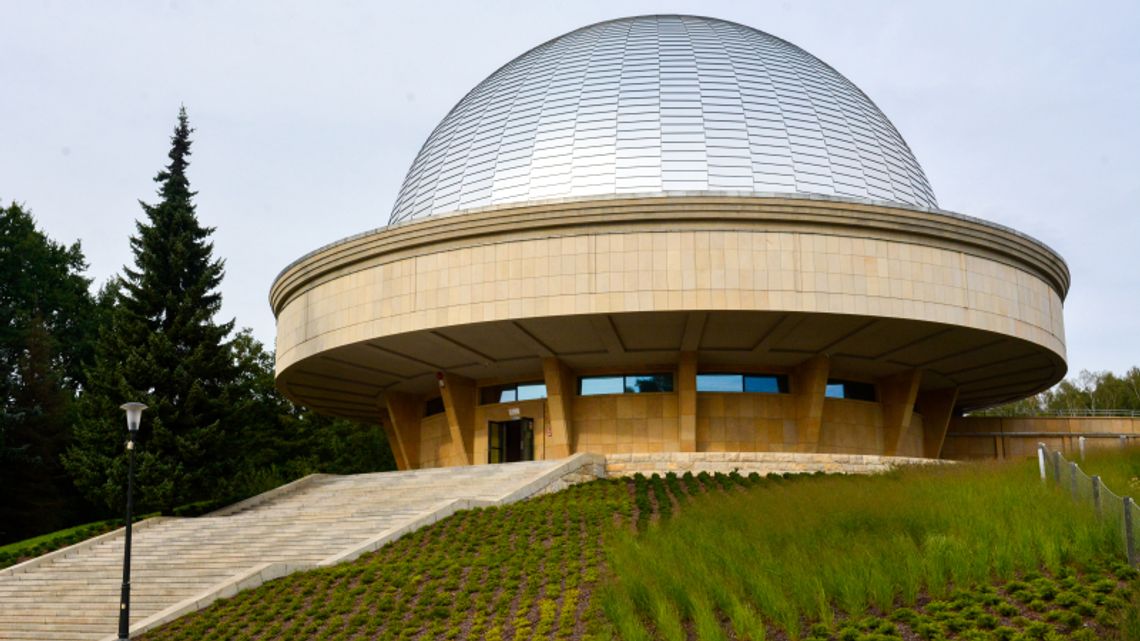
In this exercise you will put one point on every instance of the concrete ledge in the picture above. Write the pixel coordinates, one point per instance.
(276, 492)
(245, 580)
(71, 550)
(760, 462)
(567, 467)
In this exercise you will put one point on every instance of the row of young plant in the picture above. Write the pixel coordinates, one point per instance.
(794, 560)
(1078, 606)
(523, 571)
(541, 570)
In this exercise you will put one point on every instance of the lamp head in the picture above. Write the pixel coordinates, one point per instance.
(134, 415)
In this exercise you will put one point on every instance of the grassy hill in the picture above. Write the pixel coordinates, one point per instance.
(971, 552)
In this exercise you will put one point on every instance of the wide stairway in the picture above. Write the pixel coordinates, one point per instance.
(178, 562)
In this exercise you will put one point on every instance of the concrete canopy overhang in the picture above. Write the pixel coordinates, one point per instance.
(630, 282)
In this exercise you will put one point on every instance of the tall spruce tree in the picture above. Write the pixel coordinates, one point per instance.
(162, 347)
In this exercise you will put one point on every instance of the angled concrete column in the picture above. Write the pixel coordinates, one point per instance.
(560, 388)
(394, 443)
(459, 403)
(687, 401)
(897, 394)
(937, 408)
(403, 428)
(809, 384)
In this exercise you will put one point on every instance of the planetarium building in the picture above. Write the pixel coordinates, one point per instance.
(668, 234)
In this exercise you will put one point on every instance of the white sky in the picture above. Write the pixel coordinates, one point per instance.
(309, 114)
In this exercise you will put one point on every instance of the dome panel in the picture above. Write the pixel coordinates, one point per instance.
(658, 104)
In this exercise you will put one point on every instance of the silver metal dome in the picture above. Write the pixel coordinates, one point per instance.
(657, 104)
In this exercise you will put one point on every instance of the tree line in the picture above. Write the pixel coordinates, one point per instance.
(215, 428)
(1088, 391)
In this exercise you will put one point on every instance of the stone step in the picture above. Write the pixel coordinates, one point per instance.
(18, 634)
(75, 597)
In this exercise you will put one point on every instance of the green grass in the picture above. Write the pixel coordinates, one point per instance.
(838, 548)
(973, 553)
(1118, 469)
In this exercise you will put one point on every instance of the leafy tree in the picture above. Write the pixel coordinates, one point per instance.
(46, 321)
(161, 346)
(280, 441)
(1087, 391)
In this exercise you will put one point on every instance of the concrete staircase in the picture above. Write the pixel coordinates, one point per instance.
(181, 565)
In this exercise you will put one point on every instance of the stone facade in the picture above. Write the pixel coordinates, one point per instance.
(651, 265)
(927, 307)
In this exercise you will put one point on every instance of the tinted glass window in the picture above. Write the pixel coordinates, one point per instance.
(649, 383)
(531, 391)
(752, 383)
(766, 384)
(433, 406)
(511, 393)
(629, 384)
(720, 383)
(860, 391)
(589, 386)
(853, 390)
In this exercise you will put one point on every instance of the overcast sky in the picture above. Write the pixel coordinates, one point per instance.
(309, 114)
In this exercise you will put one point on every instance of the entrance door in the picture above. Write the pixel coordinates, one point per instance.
(510, 441)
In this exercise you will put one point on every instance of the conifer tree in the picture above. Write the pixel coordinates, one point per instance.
(161, 346)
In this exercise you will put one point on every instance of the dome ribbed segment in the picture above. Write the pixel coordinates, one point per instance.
(661, 104)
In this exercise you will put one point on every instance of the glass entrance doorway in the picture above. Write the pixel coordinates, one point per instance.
(510, 441)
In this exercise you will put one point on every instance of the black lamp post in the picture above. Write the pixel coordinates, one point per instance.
(134, 416)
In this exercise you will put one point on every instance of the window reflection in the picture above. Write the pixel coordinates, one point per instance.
(625, 384)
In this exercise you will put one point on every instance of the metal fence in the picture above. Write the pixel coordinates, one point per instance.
(1043, 413)
(1083, 413)
(1067, 475)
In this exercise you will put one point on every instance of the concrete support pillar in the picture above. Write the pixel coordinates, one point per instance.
(403, 428)
(458, 395)
(687, 401)
(560, 389)
(937, 408)
(809, 384)
(898, 394)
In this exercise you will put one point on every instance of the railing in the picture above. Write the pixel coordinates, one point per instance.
(1108, 505)
(1083, 413)
(1075, 413)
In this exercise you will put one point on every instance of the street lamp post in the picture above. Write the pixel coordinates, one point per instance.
(134, 416)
